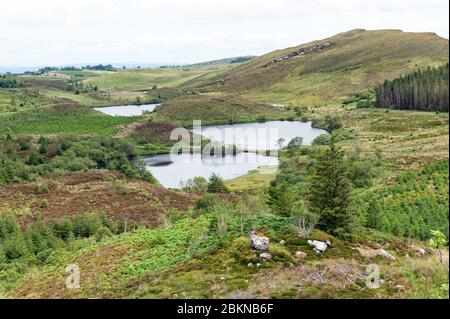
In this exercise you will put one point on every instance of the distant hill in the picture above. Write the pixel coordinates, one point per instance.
(222, 62)
(326, 71)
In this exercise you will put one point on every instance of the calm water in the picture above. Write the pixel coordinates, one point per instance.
(171, 171)
(127, 110)
(262, 136)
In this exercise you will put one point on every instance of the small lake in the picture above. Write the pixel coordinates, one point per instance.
(171, 171)
(127, 110)
(262, 136)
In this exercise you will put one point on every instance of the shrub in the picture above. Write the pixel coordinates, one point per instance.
(322, 139)
(102, 233)
(205, 204)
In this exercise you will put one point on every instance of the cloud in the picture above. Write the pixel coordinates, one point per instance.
(54, 32)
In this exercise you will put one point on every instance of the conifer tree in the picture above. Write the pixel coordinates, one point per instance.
(216, 185)
(330, 192)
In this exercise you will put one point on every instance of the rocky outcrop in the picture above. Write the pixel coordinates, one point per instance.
(299, 52)
(259, 242)
(385, 254)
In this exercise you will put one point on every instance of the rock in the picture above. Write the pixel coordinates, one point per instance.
(300, 255)
(282, 242)
(222, 278)
(385, 254)
(258, 265)
(250, 265)
(259, 243)
(265, 256)
(319, 246)
(328, 243)
(291, 265)
(419, 250)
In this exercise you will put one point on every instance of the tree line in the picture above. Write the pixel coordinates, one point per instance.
(8, 82)
(425, 90)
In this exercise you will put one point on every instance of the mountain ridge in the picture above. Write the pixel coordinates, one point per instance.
(352, 62)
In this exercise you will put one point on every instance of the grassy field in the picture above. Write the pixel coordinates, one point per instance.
(12, 100)
(145, 79)
(63, 119)
(405, 139)
(258, 179)
(215, 109)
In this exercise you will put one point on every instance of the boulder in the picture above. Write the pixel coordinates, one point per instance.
(319, 246)
(265, 256)
(385, 254)
(300, 255)
(259, 242)
(419, 250)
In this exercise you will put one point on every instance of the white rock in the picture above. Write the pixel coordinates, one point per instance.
(258, 265)
(419, 250)
(250, 265)
(385, 254)
(282, 242)
(319, 246)
(259, 243)
(265, 256)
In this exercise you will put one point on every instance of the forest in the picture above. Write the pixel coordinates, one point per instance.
(425, 90)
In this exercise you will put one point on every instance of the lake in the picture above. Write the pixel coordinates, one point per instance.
(262, 136)
(170, 171)
(127, 110)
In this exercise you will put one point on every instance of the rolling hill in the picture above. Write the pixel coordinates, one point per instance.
(222, 62)
(324, 72)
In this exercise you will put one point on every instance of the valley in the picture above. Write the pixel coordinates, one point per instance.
(86, 177)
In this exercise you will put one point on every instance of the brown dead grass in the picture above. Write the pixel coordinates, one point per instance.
(95, 191)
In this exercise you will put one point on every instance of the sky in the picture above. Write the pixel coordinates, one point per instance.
(55, 32)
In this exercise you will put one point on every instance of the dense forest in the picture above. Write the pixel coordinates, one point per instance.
(421, 90)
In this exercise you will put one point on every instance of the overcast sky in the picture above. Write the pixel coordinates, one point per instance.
(55, 32)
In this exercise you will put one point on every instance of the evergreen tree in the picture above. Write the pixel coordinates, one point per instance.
(281, 198)
(216, 185)
(374, 218)
(330, 192)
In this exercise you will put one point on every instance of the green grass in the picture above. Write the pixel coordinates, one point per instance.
(144, 79)
(257, 179)
(12, 100)
(84, 73)
(216, 109)
(79, 98)
(69, 120)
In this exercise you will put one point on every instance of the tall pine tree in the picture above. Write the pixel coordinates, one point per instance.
(330, 192)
